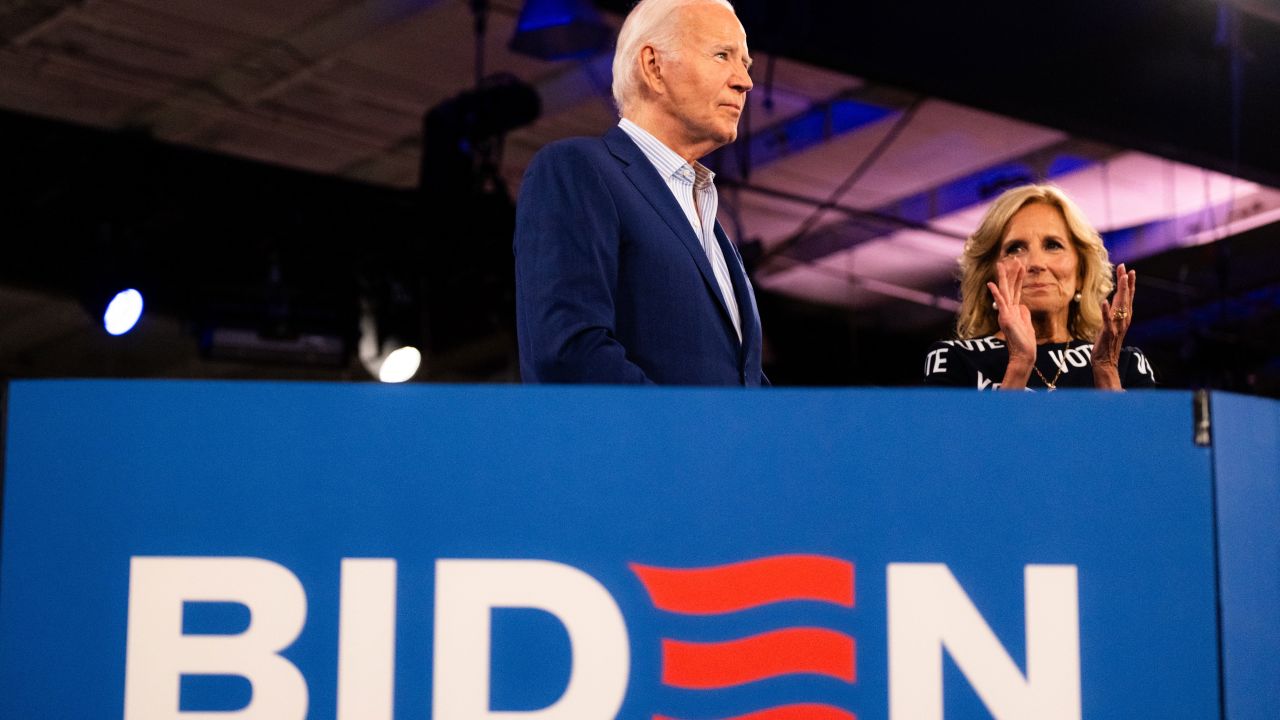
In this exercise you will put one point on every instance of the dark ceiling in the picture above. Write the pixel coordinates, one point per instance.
(223, 242)
(1171, 77)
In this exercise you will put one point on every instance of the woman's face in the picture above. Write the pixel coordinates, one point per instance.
(1037, 237)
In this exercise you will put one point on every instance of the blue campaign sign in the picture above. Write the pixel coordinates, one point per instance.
(1247, 473)
(191, 549)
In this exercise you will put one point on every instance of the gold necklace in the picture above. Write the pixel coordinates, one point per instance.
(1053, 385)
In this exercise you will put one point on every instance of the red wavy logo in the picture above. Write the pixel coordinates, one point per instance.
(743, 585)
(704, 666)
(787, 651)
(802, 711)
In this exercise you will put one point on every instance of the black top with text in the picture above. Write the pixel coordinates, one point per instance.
(980, 363)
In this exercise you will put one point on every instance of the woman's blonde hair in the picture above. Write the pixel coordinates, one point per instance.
(982, 250)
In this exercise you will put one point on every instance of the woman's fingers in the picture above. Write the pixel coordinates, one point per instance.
(1009, 276)
(1130, 278)
(1118, 314)
(1108, 321)
(999, 289)
(996, 295)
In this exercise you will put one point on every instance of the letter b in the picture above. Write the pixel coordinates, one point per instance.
(159, 654)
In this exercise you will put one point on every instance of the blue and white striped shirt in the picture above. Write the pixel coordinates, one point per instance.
(695, 190)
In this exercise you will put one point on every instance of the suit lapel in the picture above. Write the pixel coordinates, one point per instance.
(654, 189)
(748, 315)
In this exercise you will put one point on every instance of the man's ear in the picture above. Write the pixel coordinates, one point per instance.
(651, 69)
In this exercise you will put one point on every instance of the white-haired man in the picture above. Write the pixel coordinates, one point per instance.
(623, 274)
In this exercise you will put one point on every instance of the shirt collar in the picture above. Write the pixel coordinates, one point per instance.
(667, 161)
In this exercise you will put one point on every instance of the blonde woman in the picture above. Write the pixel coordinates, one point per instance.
(1034, 313)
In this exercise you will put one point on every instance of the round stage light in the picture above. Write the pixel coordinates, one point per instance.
(401, 365)
(123, 312)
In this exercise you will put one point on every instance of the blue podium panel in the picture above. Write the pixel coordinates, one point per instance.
(363, 551)
(1246, 461)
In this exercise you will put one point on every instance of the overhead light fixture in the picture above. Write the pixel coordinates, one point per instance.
(123, 311)
(560, 30)
(385, 354)
(250, 345)
(401, 364)
(109, 280)
(454, 129)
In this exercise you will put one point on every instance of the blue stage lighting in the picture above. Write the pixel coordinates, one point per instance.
(123, 312)
(560, 29)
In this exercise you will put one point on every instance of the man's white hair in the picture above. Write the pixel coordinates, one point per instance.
(649, 23)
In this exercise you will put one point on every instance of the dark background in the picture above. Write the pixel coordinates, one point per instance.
(226, 242)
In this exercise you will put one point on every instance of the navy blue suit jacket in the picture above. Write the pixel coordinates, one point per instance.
(612, 283)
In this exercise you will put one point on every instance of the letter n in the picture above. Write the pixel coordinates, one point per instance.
(929, 611)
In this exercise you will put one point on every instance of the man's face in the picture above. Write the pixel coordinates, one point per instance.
(707, 78)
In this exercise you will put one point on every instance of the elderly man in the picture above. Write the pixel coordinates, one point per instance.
(623, 274)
